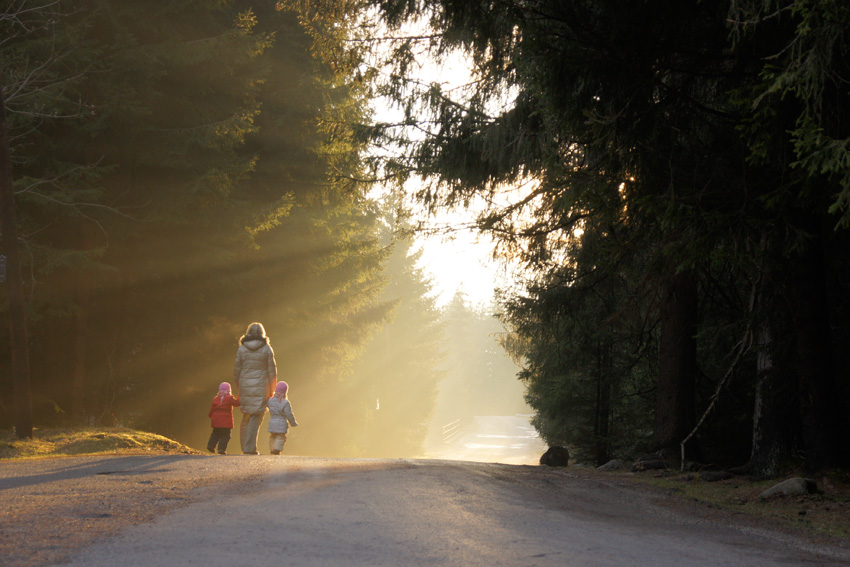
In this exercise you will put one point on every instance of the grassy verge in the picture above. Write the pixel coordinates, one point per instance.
(50, 442)
(826, 512)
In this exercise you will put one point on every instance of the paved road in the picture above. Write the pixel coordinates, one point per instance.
(321, 512)
(493, 439)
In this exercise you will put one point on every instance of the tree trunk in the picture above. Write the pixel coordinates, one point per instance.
(601, 429)
(81, 334)
(814, 355)
(675, 405)
(15, 288)
(774, 410)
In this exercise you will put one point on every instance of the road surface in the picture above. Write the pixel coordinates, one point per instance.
(322, 512)
(508, 439)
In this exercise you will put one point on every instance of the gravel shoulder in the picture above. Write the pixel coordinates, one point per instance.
(54, 506)
(731, 503)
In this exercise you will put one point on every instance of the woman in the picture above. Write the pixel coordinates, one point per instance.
(255, 373)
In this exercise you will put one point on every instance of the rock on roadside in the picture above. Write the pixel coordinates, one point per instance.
(791, 487)
(613, 465)
(555, 457)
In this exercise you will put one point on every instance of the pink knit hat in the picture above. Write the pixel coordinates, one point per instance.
(281, 388)
(224, 387)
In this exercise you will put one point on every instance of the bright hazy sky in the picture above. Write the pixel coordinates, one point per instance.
(460, 261)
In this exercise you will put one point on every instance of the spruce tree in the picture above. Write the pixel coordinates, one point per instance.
(632, 114)
(215, 197)
(397, 375)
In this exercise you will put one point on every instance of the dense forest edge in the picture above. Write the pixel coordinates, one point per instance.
(669, 183)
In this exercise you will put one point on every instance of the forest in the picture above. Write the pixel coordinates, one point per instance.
(668, 182)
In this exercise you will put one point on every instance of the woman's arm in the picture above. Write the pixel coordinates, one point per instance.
(271, 372)
(237, 367)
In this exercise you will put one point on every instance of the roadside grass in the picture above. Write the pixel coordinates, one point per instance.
(826, 512)
(60, 442)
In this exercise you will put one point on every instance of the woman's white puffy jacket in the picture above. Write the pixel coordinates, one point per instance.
(280, 415)
(255, 373)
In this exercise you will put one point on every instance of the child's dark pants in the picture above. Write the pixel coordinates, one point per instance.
(219, 436)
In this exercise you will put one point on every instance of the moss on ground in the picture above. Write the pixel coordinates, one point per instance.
(57, 442)
(826, 512)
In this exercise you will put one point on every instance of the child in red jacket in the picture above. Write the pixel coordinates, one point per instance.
(221, 416)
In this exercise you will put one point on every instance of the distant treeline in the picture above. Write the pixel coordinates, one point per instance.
(682, 222)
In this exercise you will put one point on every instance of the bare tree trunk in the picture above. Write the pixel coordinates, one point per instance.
(774, 410)
(14, 286)
(675, 405)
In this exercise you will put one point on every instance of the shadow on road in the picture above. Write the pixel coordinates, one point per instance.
(128, 465)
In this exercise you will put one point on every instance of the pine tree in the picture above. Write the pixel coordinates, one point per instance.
(608, 119)
(631, 116)
(797, 134)
(480, 379)
(41, 74)
(588, 339)
(398, 372)
(228, 202)
(175, 96)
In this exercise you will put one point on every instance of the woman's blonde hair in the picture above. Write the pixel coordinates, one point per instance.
(254, 331)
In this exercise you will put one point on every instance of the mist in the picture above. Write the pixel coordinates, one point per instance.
(166, 202)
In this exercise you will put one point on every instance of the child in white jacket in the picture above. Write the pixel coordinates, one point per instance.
(280, 418)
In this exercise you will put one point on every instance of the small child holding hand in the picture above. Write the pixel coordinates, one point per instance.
(280, 418)
(221, 417)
